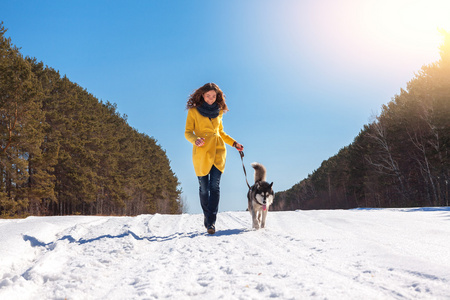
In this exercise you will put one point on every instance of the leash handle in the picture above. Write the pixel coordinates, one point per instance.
(241, 153)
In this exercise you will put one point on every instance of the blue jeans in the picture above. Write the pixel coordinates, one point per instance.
(209, 195)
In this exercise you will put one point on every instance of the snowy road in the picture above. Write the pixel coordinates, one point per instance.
(355, 254)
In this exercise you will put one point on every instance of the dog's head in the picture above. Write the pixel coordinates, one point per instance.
(264, 193)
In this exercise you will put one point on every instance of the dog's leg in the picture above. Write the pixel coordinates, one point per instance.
(263, 221)
(255, 219)
(258, 214)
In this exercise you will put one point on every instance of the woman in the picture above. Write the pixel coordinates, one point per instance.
(204, 129)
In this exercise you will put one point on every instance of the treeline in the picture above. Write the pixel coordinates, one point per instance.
(64, 152)
(399, 160)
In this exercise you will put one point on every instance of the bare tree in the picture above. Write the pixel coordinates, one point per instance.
(385, 163)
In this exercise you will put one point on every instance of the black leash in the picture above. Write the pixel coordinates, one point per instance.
(241, 153)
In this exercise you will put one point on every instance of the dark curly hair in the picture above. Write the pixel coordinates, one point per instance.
(196, 98)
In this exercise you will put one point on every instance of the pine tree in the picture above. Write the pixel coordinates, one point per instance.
(64, 152)
(21, 126)
(400, 159)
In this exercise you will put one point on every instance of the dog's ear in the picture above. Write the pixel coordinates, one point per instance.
(270, 185)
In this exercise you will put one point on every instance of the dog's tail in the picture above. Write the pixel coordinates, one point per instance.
(260, 172)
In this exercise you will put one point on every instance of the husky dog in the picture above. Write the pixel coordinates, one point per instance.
(260, 197)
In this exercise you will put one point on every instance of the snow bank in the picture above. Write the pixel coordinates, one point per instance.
(354, 254)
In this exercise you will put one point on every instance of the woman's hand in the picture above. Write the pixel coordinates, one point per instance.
(200, 142)
(238, 146)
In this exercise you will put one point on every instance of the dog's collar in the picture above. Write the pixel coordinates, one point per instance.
(256, 200)
(262, 204)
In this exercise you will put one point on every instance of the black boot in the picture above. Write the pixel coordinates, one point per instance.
(211, 229)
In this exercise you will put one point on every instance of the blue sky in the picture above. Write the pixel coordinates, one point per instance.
(301, 77)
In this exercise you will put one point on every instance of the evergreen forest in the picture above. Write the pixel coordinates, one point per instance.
(401, 159)
(63, 152)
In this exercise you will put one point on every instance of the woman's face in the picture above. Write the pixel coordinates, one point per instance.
(210, 97)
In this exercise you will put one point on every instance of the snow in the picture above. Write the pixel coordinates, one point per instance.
(328, 254)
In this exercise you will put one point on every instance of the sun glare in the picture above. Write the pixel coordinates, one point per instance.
(427, 16)
(409, 22)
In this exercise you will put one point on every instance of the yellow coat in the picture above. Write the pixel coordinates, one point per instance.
(214, 151)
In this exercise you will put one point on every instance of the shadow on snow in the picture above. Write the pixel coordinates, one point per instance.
(34, 242)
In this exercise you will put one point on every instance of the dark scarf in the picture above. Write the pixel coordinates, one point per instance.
(209, 111)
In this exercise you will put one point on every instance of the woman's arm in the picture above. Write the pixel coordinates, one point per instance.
(190, 127)
(227, 139)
